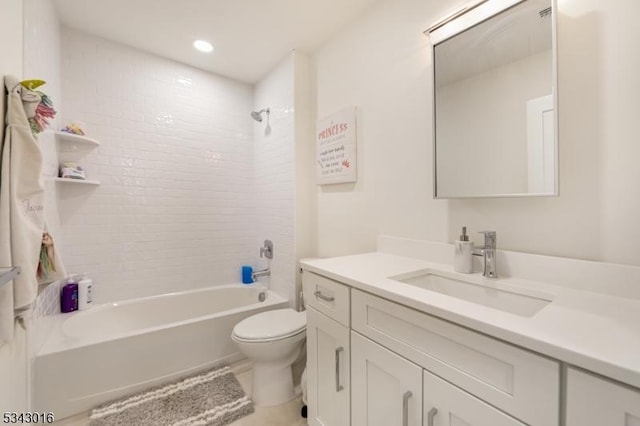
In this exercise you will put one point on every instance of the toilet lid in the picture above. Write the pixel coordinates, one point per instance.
(271, 325)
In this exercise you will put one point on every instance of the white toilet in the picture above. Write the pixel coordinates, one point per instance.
(272, 340)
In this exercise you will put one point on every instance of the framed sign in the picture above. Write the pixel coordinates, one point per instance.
(336, 147)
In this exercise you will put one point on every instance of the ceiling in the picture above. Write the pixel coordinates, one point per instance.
(250, 36)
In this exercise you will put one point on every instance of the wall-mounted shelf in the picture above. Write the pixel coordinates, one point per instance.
(8, 274)
(80, 181)
(70, 137)
(77, 140)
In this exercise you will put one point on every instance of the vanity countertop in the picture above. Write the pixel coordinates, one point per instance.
(595, 331)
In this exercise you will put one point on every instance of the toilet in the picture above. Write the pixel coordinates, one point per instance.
(272, 340)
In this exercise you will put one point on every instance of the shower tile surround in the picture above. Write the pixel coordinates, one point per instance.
(275, 174)
(177, 205)
(42, 60)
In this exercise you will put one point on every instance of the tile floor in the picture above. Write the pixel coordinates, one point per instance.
(287, 414)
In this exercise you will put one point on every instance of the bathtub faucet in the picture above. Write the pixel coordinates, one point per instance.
(261, 273)
(267, 249)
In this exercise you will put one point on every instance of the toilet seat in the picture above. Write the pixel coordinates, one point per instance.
(271, 325)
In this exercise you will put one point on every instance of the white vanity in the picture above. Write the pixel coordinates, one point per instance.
(397, 338)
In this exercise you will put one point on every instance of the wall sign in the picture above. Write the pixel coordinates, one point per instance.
(336, 147)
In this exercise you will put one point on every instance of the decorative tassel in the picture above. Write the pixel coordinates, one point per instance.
(47, 257)
(44, 114)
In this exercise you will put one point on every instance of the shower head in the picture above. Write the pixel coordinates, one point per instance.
(257, 115)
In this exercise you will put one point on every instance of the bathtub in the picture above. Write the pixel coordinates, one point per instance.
(111, 350)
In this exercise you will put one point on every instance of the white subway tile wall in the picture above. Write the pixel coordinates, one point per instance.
(42, 61)
(48, 301)
(275, 173)
(176, 207)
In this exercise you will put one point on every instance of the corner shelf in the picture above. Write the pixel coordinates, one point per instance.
(70, 137)
(81, 181)
(8, 274)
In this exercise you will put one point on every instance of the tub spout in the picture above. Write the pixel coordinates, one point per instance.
(261, 273)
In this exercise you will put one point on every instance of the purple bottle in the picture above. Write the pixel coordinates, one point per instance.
(69, 296)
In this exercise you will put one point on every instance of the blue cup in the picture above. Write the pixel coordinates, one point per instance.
(247, 272)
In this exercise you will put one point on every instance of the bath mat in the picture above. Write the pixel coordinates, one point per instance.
(212, 398)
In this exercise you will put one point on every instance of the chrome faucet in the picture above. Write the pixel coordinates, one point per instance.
(267, 249)
(488, 252)
(262, 273)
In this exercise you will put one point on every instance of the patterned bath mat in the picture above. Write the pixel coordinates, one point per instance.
(212, 398)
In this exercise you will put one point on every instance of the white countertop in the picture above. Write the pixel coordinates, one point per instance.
(595, 331)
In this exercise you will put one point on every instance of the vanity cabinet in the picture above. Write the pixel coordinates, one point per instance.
(389, 390)
(448, 405)
(594, 401)
(501, 374)
(375, 362)
(386, 388)
(328, 351)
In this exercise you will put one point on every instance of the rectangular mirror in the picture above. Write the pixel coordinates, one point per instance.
(495, 107)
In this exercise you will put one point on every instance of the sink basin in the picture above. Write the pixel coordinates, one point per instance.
(514, 302)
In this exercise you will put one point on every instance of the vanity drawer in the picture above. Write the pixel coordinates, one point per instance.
(521, 383)
(327, 296)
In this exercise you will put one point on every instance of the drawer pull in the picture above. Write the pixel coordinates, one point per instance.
(319, 295)
(405, 408)
(430, 415)
(339, 387)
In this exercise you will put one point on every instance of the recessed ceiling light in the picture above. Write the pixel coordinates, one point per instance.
(203, 46)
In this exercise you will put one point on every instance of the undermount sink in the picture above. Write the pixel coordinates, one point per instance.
(514, 302)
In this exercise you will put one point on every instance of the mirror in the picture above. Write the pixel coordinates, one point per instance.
(495, 109)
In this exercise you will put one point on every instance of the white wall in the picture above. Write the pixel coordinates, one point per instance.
(274, 168)
(42, 56)
(13, 359)
(382, 64)
(10, 46)
(282, 152)
(175, 209)
(305, 152)
(42, 61)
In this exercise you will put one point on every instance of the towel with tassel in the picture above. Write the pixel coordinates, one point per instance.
(21, 209)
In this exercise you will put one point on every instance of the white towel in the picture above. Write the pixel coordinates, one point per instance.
(21, 210)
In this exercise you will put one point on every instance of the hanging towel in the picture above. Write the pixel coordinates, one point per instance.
(21, 209)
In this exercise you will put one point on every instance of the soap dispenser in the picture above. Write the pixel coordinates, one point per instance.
(69, 296)
(85, 292)
(463, 256)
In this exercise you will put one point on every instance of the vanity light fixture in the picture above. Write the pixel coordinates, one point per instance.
(203, 46)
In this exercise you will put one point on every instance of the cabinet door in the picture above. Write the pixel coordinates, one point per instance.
(327, 371)
(447, 405)
(501, 374)
(386, 388)
(592, 401)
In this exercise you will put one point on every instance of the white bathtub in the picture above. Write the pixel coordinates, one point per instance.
(114, 349)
